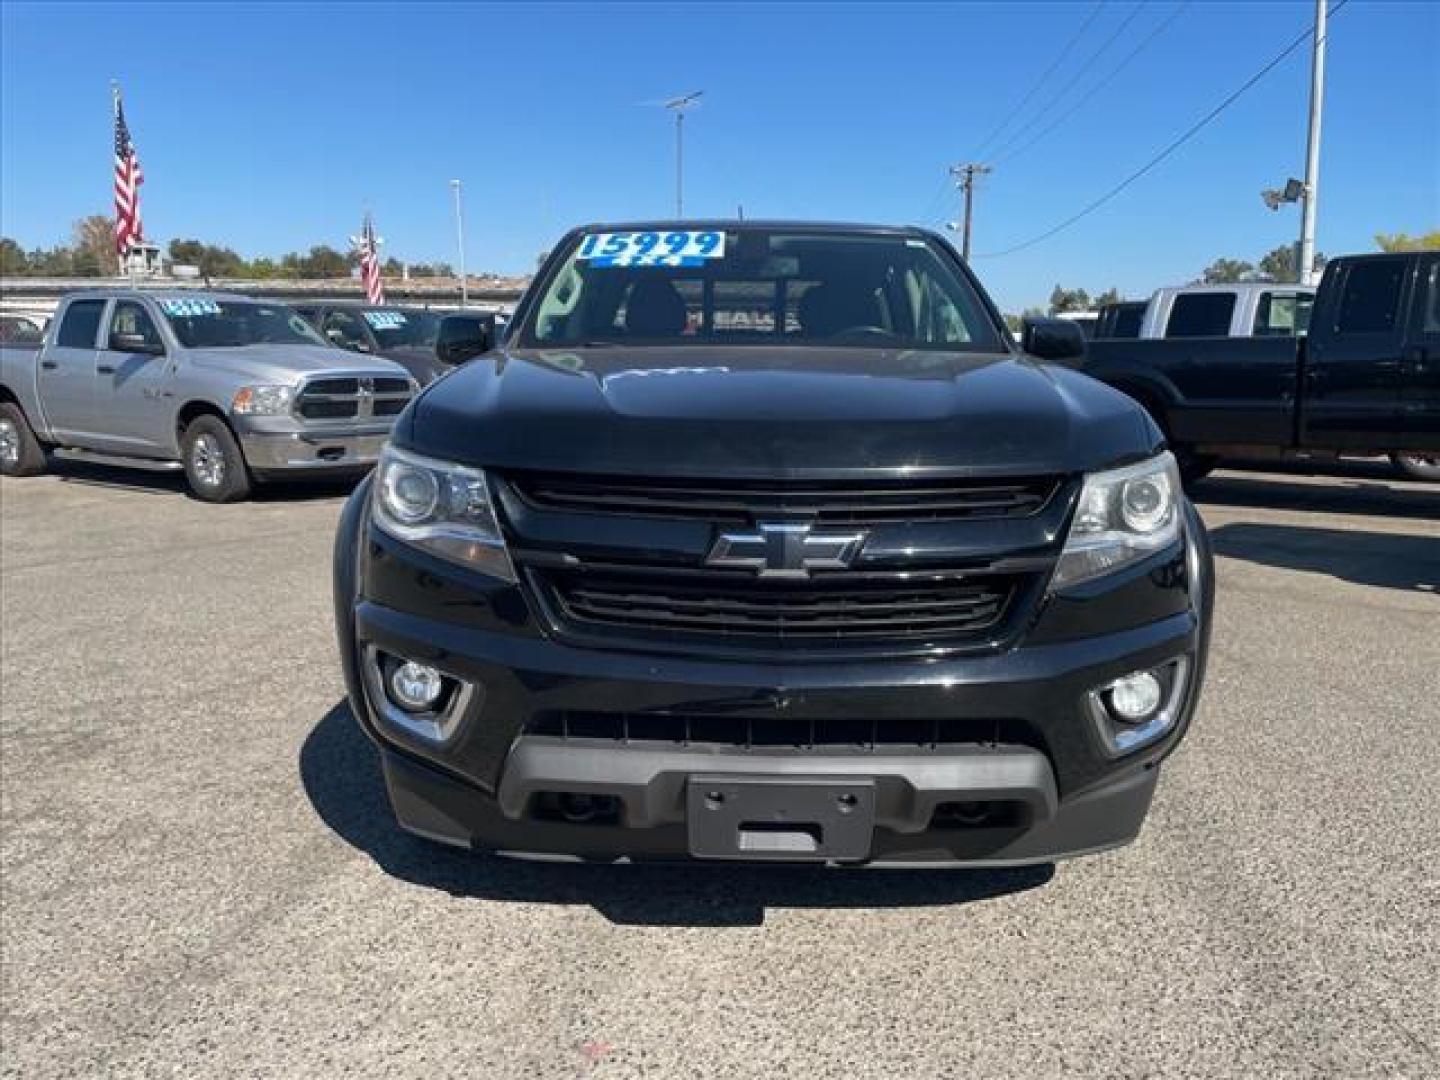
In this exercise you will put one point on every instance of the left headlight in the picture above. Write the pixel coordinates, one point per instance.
(263, 400)
(1123, 516)
(440, 507)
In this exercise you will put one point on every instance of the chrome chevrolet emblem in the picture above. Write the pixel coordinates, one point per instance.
(783, 549)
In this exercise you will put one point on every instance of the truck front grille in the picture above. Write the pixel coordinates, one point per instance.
(781, 732)
(832, 502)
(937, 563)
(822, 609)
(353, 397)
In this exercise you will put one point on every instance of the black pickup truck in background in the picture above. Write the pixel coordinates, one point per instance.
(1364, 381)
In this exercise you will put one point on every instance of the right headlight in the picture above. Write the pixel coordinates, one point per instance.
(1123, 516)
(440, 507)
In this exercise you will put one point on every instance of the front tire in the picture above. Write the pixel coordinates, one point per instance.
(214, 464)
(20, 451)
(1417, 466)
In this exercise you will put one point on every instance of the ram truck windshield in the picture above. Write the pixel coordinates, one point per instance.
(224, 324)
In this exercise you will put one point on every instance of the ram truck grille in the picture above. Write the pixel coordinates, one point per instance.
(353, 397)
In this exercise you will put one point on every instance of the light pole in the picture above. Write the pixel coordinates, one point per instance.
(1312, 150)
(460, 242)
(678, 106)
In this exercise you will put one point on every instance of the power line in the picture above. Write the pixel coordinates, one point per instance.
(1030, 94)
(1106, 81)
(1059, 95)
(1189, 134)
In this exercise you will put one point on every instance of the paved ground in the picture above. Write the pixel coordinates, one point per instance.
(199, 877)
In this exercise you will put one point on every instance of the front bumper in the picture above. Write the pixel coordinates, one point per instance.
(279, 445)
(1028, 743)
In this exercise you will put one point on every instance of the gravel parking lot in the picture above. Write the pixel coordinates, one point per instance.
(200, 876)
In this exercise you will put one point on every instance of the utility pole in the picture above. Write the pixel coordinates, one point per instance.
(1312, 150)
(678, 106)
(460, 242)
(965, 178)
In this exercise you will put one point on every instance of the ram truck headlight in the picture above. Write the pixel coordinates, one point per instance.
(1123, 516)
(263, 400)
(440, 507)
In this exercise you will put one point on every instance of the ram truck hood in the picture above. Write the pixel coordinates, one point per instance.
(775, 412)
(284, 363)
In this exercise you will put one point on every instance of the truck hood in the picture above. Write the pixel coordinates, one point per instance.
(793, 411)
(284, 363)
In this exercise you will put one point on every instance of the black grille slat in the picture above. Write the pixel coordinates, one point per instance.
(853, 502)
(728, 607)
(779, 732)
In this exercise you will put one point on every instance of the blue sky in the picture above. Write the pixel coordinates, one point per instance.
(269, 127)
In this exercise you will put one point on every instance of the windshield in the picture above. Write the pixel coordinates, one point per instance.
(228, 324)
(753, 286)
(395, 329)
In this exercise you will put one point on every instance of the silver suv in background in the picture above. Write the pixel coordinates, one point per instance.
(233, 391)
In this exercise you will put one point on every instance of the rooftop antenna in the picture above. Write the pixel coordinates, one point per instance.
(678, 105)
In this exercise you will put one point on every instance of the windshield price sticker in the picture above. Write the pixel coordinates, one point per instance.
(385, 320)
(188, 308)
(652, 248)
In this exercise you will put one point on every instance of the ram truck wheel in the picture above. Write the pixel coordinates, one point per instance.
(20, 451)
(214, 464)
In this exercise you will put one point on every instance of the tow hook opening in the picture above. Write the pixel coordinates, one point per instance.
(978, 814)
(576, 807)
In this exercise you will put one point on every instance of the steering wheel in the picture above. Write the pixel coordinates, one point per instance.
(860, 334)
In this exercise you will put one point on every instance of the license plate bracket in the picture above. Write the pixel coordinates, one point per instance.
(812, 819)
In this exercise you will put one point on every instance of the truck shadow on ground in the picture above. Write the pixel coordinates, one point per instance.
(341, 774)
(173, 483)
(1389, 560)
(1352, 492)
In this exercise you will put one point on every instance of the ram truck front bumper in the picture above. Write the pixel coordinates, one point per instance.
(277, 445)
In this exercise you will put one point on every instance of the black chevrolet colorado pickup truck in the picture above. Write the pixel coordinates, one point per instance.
(1365, 380)
(762, 541)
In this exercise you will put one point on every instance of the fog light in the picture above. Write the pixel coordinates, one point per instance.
(416, 687)
(1135, 697)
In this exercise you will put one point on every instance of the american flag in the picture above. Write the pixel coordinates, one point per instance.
(370, 263)
(128, 178)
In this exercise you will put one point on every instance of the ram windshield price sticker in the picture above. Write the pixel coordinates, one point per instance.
(652, 248)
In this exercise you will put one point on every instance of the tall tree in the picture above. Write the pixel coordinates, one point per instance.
(12, 258)
(93, 240)
(1400, 241)
(1227, 272)
(212, 261)
(1109, 296)
(1279, 265)
(1062, 299)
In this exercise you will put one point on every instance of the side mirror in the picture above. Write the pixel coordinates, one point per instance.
(1052, 339)
(462, 338)
(135, 345)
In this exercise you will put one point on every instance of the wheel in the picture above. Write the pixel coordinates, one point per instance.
(20, 452)
(214, 465)
(1417, 466)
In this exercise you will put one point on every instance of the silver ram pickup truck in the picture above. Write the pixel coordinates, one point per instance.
(234, 391)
